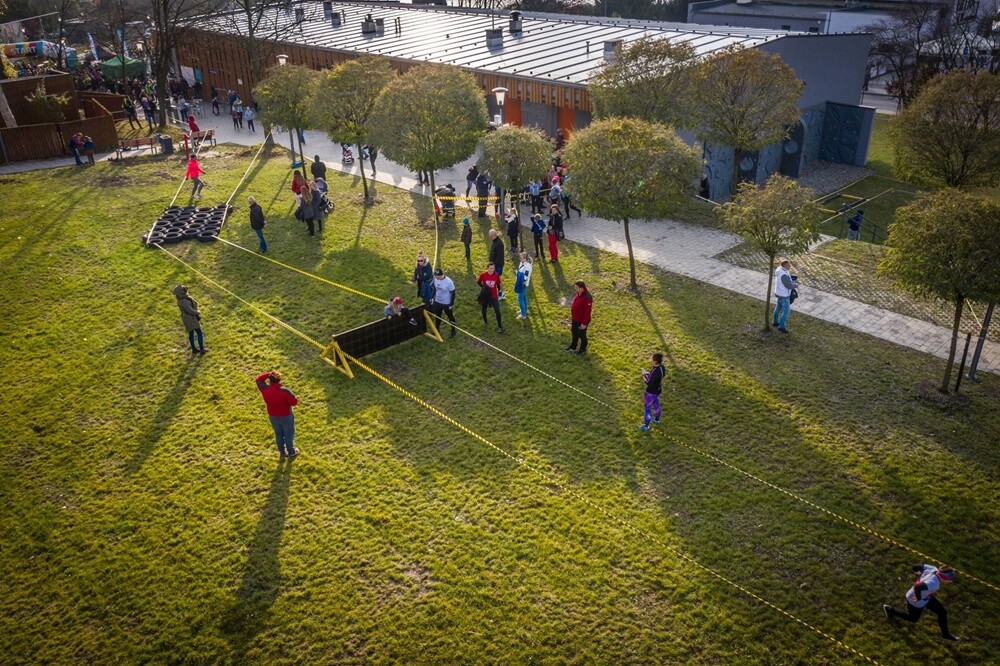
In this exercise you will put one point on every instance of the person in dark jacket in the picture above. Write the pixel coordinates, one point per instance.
(423, 277)
(191, 316)
(922, 595)
(497, 256)
(307, 209)
(257, 222)
(513, 229)
(470, 179)
(653, 378)
(556, 220)
(483, 192)
(279, 401)
(318, 169)
(580, 312)
(538, 233)
(467, 238)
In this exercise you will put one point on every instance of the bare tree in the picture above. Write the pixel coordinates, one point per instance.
(115, 18)
(902, 46)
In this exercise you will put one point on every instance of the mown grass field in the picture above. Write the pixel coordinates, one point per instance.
(146, 517)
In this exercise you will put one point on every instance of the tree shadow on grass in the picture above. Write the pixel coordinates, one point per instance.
(164, 416)
(664, 345)
(250, 612)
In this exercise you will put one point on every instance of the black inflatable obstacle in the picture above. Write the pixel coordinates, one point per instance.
(180, 223)
(378, 335)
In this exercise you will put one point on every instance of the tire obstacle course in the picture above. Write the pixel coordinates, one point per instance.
(180, 223)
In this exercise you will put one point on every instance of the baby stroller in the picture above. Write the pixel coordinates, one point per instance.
(346, 154)
(445, 200)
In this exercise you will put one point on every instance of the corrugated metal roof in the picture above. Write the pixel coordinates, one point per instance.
(776, 11)
(553, 47)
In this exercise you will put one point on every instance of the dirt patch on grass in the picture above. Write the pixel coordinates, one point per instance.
(928, 393)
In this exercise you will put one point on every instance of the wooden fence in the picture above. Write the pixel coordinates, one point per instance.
(38, 142)
(110, 101)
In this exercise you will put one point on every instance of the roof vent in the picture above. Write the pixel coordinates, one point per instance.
(515, 23)
(744, 2)
(611, 49)
(368, 25)
(494, 36)
(327, 10)
(300, 14)
(380, 25)
(336, 20)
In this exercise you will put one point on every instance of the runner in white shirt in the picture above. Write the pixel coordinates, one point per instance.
(921, 596)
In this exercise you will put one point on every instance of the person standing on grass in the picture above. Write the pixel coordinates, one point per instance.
(489, 293)
(513, 229)
(521, 284)
(784, 283)
(444, 299)
(318, 168)
(307, 209)
(257, 222)
(423, 276)
(194, 172)
(553, 236)
(279, 401)
(298, 182)
(467, 238)
(580, 312)
(129, 107)
(497, 256)
(191, 317)
(854, 225)
(537, 232)
(922, 595)
(653, 379)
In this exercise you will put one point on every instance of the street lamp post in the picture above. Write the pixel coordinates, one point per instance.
(282, 59)
(501, 95)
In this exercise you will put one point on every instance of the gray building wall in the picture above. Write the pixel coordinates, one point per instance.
(831, 66)
(744, 21)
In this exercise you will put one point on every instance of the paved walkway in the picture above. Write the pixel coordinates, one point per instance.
(674, 246)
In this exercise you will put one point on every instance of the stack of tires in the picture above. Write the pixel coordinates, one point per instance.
(187, 223)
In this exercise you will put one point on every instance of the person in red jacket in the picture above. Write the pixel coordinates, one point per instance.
(489, 295)
(279, 401)
(580, 312)
(193, 174)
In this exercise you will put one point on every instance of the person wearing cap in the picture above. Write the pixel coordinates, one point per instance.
(538, 232)
(191, 317)
(922, 595)
(279, 401)
(467, 237)
(444, 299)
(423, 276)
(395, 308)
(784, 283)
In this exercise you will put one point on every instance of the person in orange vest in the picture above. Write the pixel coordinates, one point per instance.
(922, 595)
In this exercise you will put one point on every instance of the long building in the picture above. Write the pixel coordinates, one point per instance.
(545, 61)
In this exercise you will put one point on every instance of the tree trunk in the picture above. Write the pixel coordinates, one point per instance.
(736, 172)
(302, 155)
(437, 218)
(8, 115)
(767, 296)
(631, 257)
(959, 302)
(361, 163)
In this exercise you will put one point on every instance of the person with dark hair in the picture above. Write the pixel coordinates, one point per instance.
(489, 294)
(279, 401)
(133, 118)
(653, 379)
(483, 184)
(580, 313)
(537, 232)
(784, 284)
(922, 595)
(318, 168)
(444, 299)
(307, 209)
(854, 225)
(497, 256)
(257, 222)
(513, 229)
(194, 173)
(191, 317)
(470, 179)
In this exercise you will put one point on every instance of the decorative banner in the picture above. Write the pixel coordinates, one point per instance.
(44, 49)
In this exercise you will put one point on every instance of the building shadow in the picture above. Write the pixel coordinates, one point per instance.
(261, 581)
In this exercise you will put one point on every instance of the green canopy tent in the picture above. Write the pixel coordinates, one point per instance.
(113, 68)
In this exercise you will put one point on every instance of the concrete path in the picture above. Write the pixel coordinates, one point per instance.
(674, 246)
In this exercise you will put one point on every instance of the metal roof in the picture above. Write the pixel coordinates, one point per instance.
(552, 47)
(775, 11)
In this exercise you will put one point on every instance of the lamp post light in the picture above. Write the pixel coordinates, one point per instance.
(501, 95)
(282, 60)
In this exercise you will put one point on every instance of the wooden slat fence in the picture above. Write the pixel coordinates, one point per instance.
(32, 142)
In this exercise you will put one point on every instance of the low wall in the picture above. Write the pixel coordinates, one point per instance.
(38, 142)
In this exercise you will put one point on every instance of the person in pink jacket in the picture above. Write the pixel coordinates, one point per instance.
(193, 174)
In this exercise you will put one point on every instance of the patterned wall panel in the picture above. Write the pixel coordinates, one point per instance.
(770, 162)
(842, 127)
(812, 121)
(719, 171)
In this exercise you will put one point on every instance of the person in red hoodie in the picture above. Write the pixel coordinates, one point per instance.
(580, 312)
(279, 401)
(193, 174)
(489, 295)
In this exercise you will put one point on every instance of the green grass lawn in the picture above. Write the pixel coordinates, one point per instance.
(146, 518)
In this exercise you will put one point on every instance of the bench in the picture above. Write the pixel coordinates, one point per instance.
(135, 144)
(203, 135)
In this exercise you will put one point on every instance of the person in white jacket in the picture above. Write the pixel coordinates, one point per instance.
(784, 283)
(922, 595)
(521, 284)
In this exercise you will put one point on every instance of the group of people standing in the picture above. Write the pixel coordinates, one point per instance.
(312, 203)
